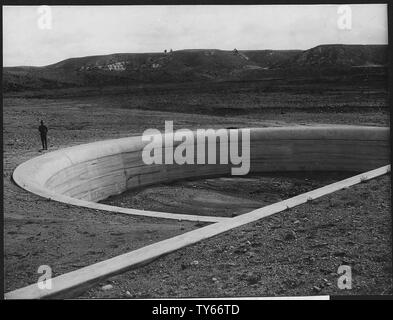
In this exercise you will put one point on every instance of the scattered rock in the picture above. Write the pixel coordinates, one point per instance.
(251, 278)
(251, 254)
(290, 235)
(316, 289)
(107, 287)
(319, 245)
(240, 250)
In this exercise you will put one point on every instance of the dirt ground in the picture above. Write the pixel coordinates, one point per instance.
(37, 231)
(296, 252)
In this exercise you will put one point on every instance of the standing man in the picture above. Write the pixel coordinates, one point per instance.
(43, 131)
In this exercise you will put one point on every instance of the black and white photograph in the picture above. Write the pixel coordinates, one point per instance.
(223, 151)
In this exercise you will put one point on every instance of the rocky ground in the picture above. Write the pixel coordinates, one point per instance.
(37, 231)
(296, 252)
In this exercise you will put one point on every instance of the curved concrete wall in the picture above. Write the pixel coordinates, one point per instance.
(88, 173)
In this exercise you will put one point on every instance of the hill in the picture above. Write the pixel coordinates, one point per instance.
(340, 56)
(192, 65)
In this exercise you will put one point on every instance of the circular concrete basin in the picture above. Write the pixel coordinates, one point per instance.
(85, 174)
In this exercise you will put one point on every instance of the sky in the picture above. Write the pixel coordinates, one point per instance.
(77, 31)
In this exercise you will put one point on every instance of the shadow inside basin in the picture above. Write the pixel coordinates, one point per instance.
(224, 196)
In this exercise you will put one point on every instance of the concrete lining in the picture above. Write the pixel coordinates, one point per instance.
(85, 174)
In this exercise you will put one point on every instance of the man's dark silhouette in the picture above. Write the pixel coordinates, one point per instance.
(43, 131)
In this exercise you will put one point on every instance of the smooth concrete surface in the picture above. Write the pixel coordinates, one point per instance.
(85, 174)
(75, 282)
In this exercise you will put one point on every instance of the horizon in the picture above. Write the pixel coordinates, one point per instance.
(194, 49)
(83, 31)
